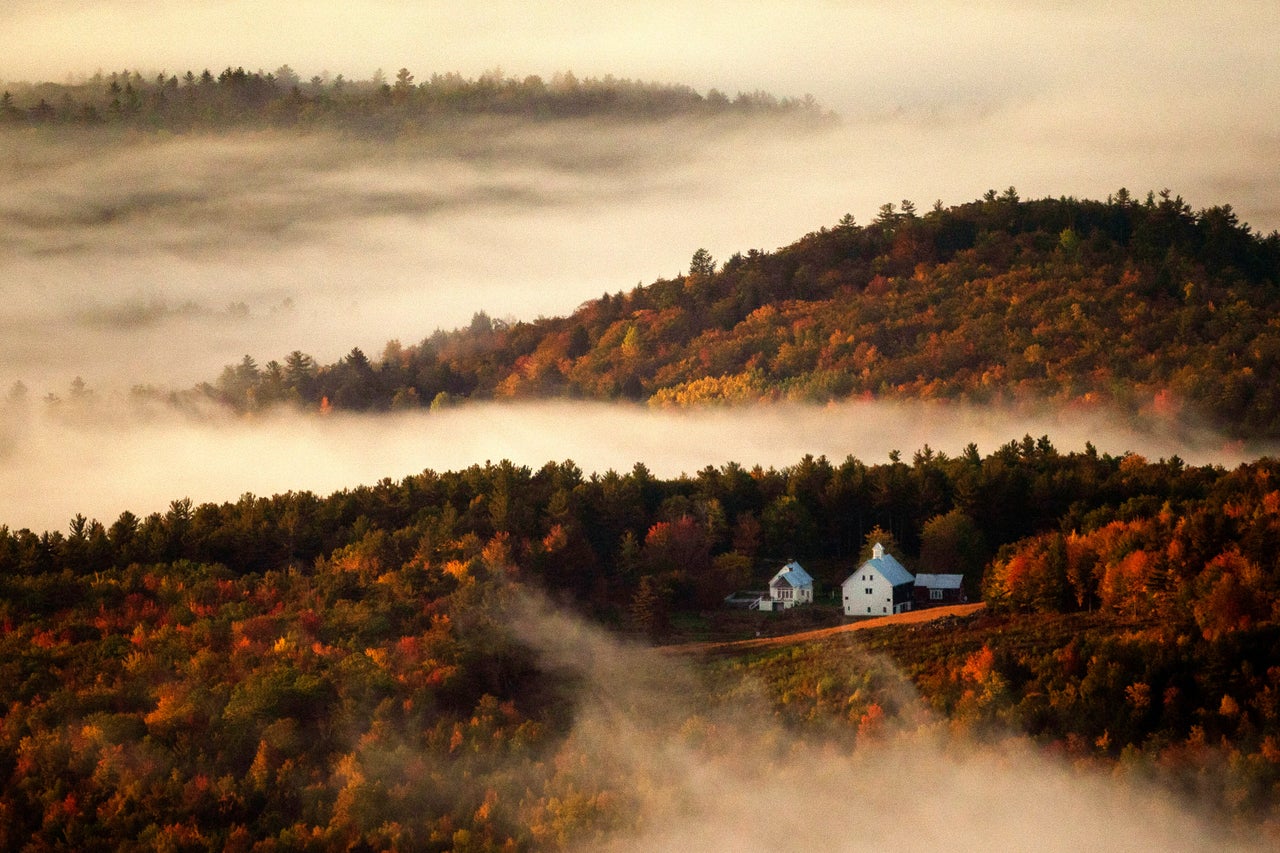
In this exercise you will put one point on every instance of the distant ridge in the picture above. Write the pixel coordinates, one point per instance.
(1142, 304)
(239, 98)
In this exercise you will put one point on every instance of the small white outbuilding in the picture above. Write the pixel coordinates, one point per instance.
(879, 587)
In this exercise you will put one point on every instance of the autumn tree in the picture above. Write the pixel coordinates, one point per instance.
(953, 544)
(877, 535)
(650, 607)
(1233, 595)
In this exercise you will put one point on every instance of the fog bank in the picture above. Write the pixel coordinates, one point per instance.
(101, 460)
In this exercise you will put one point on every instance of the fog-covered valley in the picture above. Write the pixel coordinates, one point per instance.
(156, 261)
(153, 260)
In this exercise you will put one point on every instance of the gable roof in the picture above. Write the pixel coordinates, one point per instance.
(793, 575)
(888, 567)
(940, 581)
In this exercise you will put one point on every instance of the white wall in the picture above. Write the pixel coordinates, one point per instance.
(858, 602)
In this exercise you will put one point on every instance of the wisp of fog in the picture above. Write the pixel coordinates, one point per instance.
(715, 774)
(99, 459)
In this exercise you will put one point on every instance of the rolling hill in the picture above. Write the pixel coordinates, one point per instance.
(1145, 305)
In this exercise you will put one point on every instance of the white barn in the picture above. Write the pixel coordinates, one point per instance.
(792, 585)
(879, 587)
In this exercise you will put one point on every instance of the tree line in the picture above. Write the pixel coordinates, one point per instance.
(603, 541)
(239, 98)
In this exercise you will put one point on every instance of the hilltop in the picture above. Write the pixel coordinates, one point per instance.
(1145, 305)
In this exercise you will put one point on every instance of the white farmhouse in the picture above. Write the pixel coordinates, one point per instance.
(792, 585)
(879, 587)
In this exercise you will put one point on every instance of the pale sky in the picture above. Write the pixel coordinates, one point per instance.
(843, 52)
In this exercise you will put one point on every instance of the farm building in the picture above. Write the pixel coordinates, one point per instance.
(792, 585)
(939, 589)
(879, 587)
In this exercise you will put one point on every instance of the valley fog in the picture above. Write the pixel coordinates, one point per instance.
(99, 460)
(158, 261)
(713, 775)
(155, 259)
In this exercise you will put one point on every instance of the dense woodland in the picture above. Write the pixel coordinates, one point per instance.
(304, 671)
(236, 98)
(1141, 304)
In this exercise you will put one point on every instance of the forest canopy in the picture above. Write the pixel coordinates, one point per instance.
(420, 664)
(1144, 305)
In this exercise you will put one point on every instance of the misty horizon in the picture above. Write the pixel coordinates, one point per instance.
(105, 458)
(158, 261)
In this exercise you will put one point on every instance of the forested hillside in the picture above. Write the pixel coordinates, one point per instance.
(1143, 304)
(311, 672)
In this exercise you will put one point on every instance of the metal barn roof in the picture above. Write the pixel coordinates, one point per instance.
(793, 575)
(940, 581)
(888, 567)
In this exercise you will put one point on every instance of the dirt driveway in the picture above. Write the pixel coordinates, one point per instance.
(738, 646)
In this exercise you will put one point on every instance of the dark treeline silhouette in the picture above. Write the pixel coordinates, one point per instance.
(240, 98)
(1146, 305)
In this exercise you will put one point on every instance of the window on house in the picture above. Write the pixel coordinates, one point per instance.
(884, 610)
(870, 590)
(935, 595)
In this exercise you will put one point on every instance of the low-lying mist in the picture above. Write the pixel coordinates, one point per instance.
(714, 771)
(98, 458)
(142, 259)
